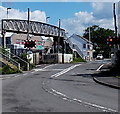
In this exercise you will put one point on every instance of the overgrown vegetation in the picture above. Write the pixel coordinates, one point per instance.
(7, 70)
(24, 65)
(114, 70)
(32, 66)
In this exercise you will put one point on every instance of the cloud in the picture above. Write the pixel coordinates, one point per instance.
(17, 14)
(59, 0)
(82, 20)
(102, 15)
(102, 10)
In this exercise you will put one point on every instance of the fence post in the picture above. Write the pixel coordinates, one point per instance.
(19, 66)
(28, 66)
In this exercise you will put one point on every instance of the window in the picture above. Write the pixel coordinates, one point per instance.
(22, 41)
(17, 41)
(88, 46)
(84, 45)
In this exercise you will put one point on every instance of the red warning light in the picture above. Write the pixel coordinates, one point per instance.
(111, 39)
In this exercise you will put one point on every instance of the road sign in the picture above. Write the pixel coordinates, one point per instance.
(39, 47)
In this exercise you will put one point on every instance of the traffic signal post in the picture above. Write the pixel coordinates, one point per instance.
(113, 41)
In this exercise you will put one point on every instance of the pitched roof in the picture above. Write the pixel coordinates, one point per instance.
(82, 38)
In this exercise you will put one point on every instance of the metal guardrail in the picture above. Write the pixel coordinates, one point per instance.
(79, 51)
(9, 54)
(10, 60)
(76, 48)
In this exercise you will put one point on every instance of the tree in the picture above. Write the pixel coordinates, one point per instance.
(99, 38)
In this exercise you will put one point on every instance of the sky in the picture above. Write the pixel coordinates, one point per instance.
(74, 16)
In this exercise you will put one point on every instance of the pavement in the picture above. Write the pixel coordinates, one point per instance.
(110, 81)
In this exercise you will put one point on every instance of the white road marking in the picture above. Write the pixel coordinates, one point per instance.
(49, 66)
(47, 69)
(25, 74)
(100, 67)
(8, 77)
(65, 97)
(65, 70)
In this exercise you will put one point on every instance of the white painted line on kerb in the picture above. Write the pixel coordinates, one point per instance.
(65, 70)
(100, 67)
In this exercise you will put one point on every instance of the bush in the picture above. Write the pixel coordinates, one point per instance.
(79, 59)
(32, 66)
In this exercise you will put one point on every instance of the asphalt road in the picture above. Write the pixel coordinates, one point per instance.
(58, 88)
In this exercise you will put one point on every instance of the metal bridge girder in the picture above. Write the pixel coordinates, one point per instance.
(36, 28)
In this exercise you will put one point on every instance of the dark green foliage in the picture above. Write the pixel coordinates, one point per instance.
(23, 65)
(114, 70)
(118, 60)
(79, 59)
(7, 70)
(99, 38)
(24, 57)
(32, 66)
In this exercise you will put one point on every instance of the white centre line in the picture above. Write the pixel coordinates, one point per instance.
(65, 70)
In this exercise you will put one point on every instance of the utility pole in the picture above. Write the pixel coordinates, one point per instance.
(28, 23)
(28, 65)
(3, 37)
(3, 33)
(115, 24)
(89, 44)
(59, 36)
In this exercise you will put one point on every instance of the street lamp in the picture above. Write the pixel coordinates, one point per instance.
(47, 19)
(7, 12)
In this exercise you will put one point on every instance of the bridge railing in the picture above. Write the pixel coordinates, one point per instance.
(10, 60)
(17, 58)
(36, 28)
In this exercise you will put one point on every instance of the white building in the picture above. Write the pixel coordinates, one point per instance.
(81, 46)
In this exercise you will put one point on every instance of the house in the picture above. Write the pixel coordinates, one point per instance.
(16, 44)
(16, 41)
(81, 46)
